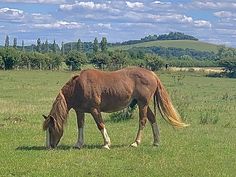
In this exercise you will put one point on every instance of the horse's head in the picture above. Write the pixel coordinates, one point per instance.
(53, 131)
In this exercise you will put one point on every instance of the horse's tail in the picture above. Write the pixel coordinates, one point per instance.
(166, 108)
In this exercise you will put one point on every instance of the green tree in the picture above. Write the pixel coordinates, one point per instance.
(153, 62)
(7, 41)
(54, 46)
(95, 45)
(15, 43)
(79, 46)
(229, 64)
(23, 45)
(46, 46)
(1, 63)
(39, 61)
(38, 46)
(101, 60)
(227, 59)
(55, 60)
(75, 60)
(24, 60)
(224, 52)
(10, 57)
(62, 48)
(118, 59)
(104, 44)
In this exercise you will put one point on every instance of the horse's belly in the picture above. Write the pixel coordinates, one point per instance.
(114, 103)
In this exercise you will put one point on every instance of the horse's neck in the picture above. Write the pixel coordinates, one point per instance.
(68, 91)
(68, 97)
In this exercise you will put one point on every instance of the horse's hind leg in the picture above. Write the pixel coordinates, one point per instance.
(80, 123)
(155, 129)
(142, 123)
(101, 126)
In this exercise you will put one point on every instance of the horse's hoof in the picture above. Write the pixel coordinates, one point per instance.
(156, 144)
(106, 147)
(78, 146)
(135, 144)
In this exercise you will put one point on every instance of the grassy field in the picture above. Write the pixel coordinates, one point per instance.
(197, 45)
(206, 148)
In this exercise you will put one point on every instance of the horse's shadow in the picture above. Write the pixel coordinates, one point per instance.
(66, 147)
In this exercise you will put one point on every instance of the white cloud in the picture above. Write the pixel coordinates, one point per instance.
(226, 31)
(169, 17)
(11, 14)
(213, 5)
(86, 5)
(60, 25)
(133, 5)
(161, 3)
(105, 25)
(40, 18)
(36, 1)
(202, 24)
(225, 14)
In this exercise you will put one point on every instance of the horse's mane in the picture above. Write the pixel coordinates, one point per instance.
(59, 112)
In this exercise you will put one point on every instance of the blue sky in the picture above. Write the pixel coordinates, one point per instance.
(118, 20)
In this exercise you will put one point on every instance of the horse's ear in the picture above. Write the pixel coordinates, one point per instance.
(45, 117)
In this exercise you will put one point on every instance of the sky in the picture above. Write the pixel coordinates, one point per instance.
(118, 20)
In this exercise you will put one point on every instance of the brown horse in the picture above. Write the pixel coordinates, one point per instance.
(94, 91)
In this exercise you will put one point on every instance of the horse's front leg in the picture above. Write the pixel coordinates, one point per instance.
(80, 123)
(101, 126)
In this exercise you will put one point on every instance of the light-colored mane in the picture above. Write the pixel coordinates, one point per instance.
(59, 112)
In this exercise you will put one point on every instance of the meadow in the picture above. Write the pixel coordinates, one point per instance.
(206, 148)
(183, 44)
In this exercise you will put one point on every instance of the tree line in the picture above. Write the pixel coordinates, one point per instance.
(45, 55)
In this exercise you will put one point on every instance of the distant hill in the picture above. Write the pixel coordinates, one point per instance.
(170, 36)
(183, 44)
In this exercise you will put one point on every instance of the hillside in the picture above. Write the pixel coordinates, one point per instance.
(183, 44)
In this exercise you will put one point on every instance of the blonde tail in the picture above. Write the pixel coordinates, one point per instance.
(166, 107)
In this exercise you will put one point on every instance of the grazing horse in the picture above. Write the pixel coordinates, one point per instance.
(94, 91)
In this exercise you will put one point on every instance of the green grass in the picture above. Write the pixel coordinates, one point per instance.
(206, 148)
(197, 45)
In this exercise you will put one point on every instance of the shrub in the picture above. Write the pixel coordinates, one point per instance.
(75, 59)
(125, 114)
(153, 62)
(100, 60)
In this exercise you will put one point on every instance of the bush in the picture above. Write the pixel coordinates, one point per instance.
(153, 62)
(125, 114)
(100, 60)
(10, 57)
(229, 65)
(1, 63)
(56, 60)
(75, 60)
(118, 59)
